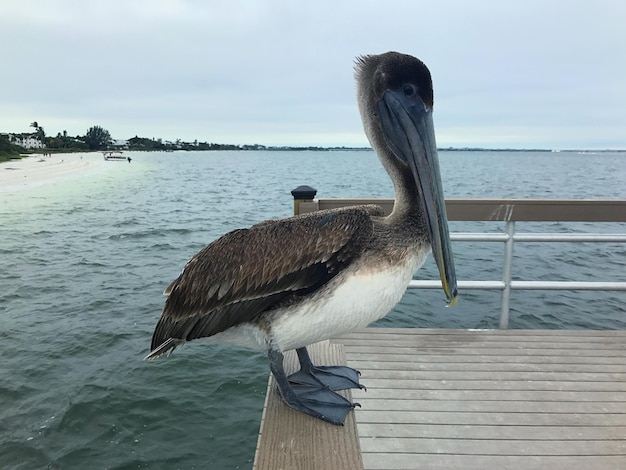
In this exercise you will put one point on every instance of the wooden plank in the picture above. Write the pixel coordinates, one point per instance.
(494, 446)
(293, 440)
(510, 342)
(614, 347)
(533, 432)
(530, 376)
(549, 210)
(391, 461)
(521, 342)
(538, 385)
(424, 338)
(491, 406)
(357, 348)
(486, 363)
(495, 395)
(479, 360)
(485, 335)
(482, 419)
(482, 333)
(516, 210)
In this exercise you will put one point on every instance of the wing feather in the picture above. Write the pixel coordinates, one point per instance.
(248, 271)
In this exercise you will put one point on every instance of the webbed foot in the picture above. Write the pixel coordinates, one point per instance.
(308, 393)
(320, 403)
(333, 377)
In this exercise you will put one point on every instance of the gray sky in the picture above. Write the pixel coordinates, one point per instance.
(532, 73)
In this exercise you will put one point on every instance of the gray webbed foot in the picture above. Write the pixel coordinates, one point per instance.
(333, 377)
(320, 403)
(311, 389)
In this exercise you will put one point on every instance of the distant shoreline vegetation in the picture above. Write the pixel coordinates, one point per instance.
(148, 145)
(98, 139)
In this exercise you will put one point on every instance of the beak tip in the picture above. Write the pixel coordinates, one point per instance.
(452, 300)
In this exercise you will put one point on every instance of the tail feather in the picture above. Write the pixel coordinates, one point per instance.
(166, 347)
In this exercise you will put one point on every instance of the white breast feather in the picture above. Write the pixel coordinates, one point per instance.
(353, 301)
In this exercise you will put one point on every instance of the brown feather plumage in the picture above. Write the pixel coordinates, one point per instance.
(249, 271)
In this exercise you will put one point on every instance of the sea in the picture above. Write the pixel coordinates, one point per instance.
(84, 262)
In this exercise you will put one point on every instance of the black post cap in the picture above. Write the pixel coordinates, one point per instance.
(304, 192)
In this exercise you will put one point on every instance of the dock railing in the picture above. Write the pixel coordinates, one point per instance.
(507, 211)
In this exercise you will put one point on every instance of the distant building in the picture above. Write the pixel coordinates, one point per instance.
(119, 144)
(28, 141)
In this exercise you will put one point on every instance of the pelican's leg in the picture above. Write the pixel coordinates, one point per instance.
(319, 402)
(333, 377)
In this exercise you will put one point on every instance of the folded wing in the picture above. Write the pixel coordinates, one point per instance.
(246, 272)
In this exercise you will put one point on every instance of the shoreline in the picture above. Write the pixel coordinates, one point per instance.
(37, 170)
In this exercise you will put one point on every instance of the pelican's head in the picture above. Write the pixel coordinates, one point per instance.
(395, 95)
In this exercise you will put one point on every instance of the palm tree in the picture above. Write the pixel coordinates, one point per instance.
(41, 135)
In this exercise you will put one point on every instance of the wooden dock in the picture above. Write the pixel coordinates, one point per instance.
(452, 399)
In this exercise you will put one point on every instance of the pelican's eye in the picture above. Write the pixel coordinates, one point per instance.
(408, 90)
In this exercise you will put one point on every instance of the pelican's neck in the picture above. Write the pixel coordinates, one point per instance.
(406, 209)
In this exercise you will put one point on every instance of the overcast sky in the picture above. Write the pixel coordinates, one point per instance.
(543, 73)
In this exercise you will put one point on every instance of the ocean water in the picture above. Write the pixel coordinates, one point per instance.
(83, 264)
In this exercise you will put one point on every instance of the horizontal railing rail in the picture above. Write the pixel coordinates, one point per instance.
(504, 210)
(510, 211)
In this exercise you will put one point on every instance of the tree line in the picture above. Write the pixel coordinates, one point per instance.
(98, 138)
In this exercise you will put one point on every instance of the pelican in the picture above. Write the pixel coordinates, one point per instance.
(285, 284)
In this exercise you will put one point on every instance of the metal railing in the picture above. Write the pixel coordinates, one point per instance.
(508, 211)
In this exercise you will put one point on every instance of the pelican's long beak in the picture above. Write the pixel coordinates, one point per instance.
(408, 128)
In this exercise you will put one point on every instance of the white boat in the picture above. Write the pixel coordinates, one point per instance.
(115, 155)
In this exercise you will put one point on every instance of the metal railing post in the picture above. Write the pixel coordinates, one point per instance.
(506, 275)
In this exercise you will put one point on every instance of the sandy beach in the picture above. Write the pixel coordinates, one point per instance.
(37, 170)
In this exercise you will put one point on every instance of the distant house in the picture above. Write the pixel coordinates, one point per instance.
(28, 141)
(119, 144)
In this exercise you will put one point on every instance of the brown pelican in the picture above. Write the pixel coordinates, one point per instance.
(285, 284)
